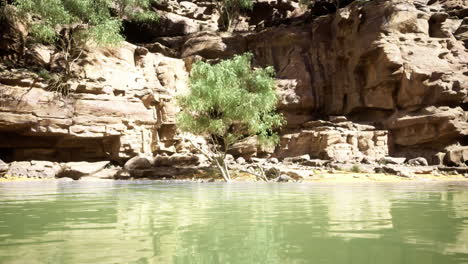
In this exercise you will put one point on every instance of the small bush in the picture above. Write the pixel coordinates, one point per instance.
(44, 74)
(230, 101)
(356, 169)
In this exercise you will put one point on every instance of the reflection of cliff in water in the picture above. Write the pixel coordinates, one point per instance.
(460, 212)
(89, 222)
(359, 213)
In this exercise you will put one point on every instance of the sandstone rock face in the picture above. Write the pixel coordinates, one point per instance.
(176, 18)
(391, 76)
(211, 45)
(250, 147)
(400, 64)
(437, 125)
(342, 142)
(119, 107)
(378, 56)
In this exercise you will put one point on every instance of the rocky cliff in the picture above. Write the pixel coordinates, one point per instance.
(371, 79)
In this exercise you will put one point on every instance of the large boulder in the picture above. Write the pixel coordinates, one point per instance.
(33, 169)
(457, 156)
(138, 163)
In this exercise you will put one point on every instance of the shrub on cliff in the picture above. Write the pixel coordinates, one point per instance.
(70, 24)
(227, 102)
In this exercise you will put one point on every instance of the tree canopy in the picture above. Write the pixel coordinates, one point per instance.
(229, 101)
(72, 24)
(49, 16)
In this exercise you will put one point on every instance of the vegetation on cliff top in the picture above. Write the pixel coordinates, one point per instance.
(227, 102)
(72, 24)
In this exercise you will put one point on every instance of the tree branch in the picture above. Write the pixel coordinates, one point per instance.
(210, 159)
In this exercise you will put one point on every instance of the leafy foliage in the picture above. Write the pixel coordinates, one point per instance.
(50, 15)
(356, 169)
(229, 101)
(44, 74)
(71, 24)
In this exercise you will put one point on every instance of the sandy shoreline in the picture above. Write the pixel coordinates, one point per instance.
(337, 177)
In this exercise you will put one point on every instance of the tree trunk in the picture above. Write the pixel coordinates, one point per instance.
(221, 164)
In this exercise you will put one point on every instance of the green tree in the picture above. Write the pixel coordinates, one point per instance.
(227, 102)
(70, 25)
(230, 10)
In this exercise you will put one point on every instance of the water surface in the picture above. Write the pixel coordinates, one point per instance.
(154, 222)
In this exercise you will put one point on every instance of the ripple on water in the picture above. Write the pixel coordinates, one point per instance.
(174, 222)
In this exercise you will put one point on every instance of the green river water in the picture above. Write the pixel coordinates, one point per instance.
(163, 222)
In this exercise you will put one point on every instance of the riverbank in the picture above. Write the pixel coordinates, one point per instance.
(298, 169)
(351, 177)
(335, 177)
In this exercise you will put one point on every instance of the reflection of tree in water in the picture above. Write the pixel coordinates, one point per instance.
(43, 222)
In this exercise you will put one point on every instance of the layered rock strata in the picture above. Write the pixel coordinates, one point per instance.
(121, 106)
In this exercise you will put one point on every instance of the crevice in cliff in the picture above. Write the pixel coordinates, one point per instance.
(15, 146)
(435, 25)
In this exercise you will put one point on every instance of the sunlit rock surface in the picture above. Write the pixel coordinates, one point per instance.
(397, 70)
